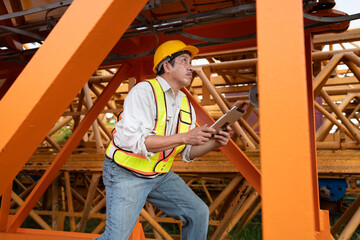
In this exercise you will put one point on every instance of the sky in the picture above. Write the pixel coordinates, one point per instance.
(350, 7)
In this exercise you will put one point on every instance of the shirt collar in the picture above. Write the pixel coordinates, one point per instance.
(166, 87)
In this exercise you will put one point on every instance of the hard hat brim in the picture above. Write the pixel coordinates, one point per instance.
(193, 50)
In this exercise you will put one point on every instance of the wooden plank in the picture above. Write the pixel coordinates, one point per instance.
(88, 204)
(329, 162)
(332, 38)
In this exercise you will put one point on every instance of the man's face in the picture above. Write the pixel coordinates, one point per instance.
(182, 70)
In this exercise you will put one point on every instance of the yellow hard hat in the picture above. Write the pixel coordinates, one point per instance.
(170, 47)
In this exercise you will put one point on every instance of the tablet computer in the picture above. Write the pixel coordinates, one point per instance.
(228, 118)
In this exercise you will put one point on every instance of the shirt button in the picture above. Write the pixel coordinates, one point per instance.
(173, 104)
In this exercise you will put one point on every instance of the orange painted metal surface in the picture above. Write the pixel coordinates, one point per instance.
(5, 207)
(138, 232)
(68, 148)
(36, 234)
(69, 54)
(55, 75)
(311, 120)
(231, 150)
(32, 234)
(293, 213)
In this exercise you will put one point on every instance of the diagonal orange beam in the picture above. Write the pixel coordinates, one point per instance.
(231, 150)
(68, 148)
(56, 73)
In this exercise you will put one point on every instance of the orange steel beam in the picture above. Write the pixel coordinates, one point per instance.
(68, 148)
(322, 221)
(231, 150)
(73, 50)
(37, 234)
(5, 208)
(285, 165)
(311, 121)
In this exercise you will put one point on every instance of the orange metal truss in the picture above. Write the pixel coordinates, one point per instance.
(49, 76)
(291, 214)
(232, 151)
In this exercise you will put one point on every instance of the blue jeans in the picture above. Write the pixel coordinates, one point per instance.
(126, 195)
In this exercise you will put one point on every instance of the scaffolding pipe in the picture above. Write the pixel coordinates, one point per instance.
(355, 132)
(238, 130)
(351, 226)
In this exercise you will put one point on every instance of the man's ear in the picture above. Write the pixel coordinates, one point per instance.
(166, 66)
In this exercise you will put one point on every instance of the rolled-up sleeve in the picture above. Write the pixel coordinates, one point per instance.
(137, 120)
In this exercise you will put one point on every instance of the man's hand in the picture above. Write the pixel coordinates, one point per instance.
(199, 135)
(222, 137)
(217, 139)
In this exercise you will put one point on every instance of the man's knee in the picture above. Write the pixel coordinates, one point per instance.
(200, 212)
(204, 211)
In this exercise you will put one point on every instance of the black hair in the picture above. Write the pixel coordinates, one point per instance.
(171, 59)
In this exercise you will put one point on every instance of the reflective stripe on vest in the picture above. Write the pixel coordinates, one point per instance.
(159, 163)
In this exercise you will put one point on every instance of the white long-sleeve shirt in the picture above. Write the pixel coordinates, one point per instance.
(138, 118)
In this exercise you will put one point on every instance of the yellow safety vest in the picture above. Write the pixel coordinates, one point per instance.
(159, 163)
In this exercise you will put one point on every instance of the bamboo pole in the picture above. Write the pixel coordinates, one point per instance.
(61, 221)
(95, 126)
(97, 93)
(155, 224)
(316, 56)
(101, 195)
(32, 213)
(225, 193)
(104, 128)
(238, 130)
(353, 58)
(352, 66)
(78, 196)
(236, 203)
(100, 79)
(54, 203)
(207, 193)
(53, 143)
(345, 217)
(98, 206)
(351, 226)
(325, 73)
(78, 118)
(333, 120)
(320, 56)
(248, 112)
(151, 211)
(342, 91)
(242, 121)
(88, 204)
(17, 181)
(337, 145)
(60, 124)
(24, 194)
(99, 227)
(251, 215)
(247, 204)
(324, 129)
(353, 113)
(69, 199)
(355, 132)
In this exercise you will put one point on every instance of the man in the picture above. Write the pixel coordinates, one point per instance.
(157, 123)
